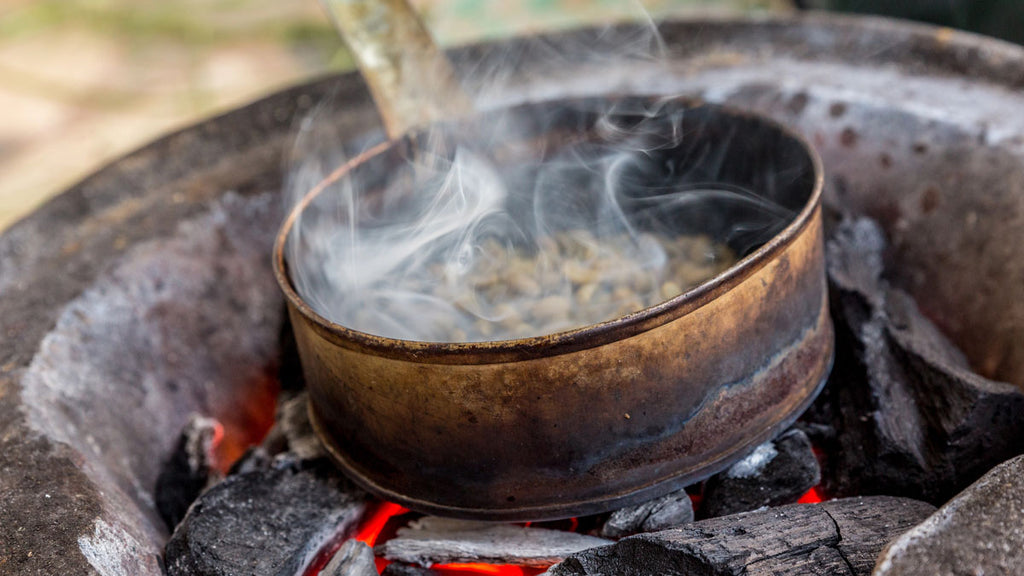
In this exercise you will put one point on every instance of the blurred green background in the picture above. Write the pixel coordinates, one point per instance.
(84, 81)
(1000, 18)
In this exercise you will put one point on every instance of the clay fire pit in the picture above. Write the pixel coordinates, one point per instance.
(145, 293)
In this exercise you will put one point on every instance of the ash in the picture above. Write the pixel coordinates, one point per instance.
(753, 465)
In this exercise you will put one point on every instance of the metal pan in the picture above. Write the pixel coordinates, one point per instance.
(600, 417)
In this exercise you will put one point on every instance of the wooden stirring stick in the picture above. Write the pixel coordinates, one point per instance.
(409, 77)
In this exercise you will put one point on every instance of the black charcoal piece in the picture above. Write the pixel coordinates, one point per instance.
(432, 540)
(910, 417)
(819, 561)
(661, 513)
(294, 425)
(354, 558)
(255, 458)
(777, 472)
(980, 531)
(188, 471)
(798, 540)
(269, 522)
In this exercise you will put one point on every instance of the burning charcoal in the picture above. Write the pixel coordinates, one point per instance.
(255, 458)
(293, 423)
(911, 417)
(292, 437)
(189, 471)
(354, 558)
(840, 537)
(668, 511)
(400, 569)
(432, 540)
(776, 473)
(981, 531)
(264, 522)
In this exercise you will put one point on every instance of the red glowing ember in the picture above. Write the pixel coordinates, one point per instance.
(248, 425)
(812, 496)
(375, 521)
(460, 569)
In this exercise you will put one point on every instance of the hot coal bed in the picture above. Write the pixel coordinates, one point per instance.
(146, 356)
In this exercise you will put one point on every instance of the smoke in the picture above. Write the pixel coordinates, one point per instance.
(534, 219)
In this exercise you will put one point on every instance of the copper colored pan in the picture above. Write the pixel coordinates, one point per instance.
(592, 419)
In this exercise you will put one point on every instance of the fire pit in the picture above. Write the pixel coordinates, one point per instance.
(145, 294)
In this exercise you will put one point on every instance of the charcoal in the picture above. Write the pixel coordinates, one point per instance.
(668, 511)
(839, 537)
(275, 442)
(776, 473)
(432, 540)
(255, 458)
(400, 569)
(910, 417)
(354, 558)
(980, 531)
(293, 420)
(864, 525)
(188, 471)
(821, 560)
(292, 432)
(288, 514)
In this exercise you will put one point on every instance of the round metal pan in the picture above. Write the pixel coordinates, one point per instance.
(600, 417)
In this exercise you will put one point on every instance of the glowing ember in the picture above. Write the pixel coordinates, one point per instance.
(459, 569)
(248, 425)
(812, 496)
(376, 520)
(218, 434)
(373, 525)
(696, 499)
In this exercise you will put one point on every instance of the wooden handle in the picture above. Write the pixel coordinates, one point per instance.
(410, 79)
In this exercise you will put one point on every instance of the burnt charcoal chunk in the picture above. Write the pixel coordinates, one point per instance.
(866, 524)
(433, 540)
(822, 560)
(354, 558)
(776, 473)
(668, 511)
(980, 531)
(255, 458)
(270, 522)
(293, 433)
(797, 540)
(188, 471)
(910, 417)
(293, 421)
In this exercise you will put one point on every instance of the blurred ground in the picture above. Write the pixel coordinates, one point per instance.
(84, 81)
